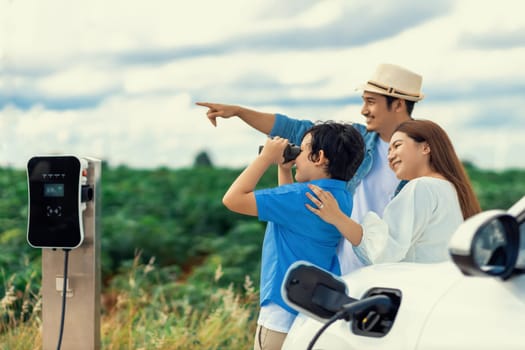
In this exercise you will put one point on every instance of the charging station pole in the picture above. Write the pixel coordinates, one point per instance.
(82, 317)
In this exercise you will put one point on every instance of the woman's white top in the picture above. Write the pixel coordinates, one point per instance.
(373, 193)
(416, 225)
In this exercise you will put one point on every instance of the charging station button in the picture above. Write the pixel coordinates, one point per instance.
(54, 211)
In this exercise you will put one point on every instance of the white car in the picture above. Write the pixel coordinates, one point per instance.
(474, 301)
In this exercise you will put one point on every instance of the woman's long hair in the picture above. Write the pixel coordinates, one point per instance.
(444, 160)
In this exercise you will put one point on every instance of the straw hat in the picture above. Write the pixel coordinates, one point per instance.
(396, 81)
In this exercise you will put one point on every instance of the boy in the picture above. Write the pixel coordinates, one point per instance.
(330, 155)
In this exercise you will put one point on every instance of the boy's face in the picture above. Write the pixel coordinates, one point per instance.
(305, 169)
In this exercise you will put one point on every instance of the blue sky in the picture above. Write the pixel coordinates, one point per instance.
(118, 80)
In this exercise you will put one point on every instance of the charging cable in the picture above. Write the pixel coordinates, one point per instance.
(64, 292)
(381, 302)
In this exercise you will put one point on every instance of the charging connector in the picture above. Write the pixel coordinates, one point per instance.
(381, 302)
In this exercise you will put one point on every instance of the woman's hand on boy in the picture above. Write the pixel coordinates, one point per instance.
(324, 205)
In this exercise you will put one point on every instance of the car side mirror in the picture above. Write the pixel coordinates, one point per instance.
(486, 244)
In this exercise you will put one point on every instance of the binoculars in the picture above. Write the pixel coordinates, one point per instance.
(290, 152)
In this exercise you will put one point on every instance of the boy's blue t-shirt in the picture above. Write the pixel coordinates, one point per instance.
(294, 233)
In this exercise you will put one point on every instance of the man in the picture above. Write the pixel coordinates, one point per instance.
(388, 100)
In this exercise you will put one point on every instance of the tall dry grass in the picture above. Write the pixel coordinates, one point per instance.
(20, 321)
(141, 315)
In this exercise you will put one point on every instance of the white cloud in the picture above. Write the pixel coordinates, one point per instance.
(139, 67)
(60, 30)
(78, 81)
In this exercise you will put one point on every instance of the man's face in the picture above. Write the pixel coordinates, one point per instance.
(379, 117)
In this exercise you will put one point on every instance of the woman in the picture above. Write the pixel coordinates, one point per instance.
(418, 222)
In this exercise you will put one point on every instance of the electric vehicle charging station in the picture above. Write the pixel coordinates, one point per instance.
(64, 206)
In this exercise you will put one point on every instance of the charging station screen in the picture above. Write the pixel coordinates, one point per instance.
(53, 190)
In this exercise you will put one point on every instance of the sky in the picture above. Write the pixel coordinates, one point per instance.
(118, 80)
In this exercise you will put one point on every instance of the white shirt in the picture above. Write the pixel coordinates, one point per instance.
(373, 194)
(377, 188)
(416, 225)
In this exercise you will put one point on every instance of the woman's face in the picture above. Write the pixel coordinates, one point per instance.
(407, 158)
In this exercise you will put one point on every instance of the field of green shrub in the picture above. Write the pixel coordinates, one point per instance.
(179, 270)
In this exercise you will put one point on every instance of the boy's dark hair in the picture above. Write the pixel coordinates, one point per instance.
(342, 145)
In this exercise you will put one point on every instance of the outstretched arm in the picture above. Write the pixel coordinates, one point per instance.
(328, 210)
(240, 197)
(257, 120)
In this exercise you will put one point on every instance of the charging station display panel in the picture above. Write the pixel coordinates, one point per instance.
(55, 215)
